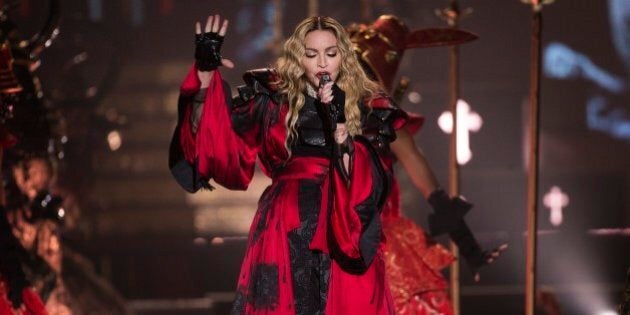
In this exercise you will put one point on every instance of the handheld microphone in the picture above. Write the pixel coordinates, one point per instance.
(324, 79)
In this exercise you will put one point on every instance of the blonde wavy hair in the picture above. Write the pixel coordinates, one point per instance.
(351, 79)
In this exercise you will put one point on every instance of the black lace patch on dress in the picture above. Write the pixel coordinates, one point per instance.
(263, 290)
(310, 270)
(240, 302)
(264, 205)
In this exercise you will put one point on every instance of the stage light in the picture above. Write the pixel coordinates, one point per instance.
(555, 200)
(91, 91)
(607, 312)
(610, 231)
(600, 116)
(114, 139)
(217, 241)
(414, 97)
(562, 62)
(79, 58)
(467, 121)
(200, 241)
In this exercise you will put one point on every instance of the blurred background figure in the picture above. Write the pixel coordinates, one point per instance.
(34, 136)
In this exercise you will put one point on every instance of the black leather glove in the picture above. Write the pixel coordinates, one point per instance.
(469, 248)
(337, 116)
(447, 212)
(208, 51)
(337, 112)
(448, 217)
(333, 112)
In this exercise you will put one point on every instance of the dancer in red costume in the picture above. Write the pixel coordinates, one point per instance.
(315, 244)
(413, 258)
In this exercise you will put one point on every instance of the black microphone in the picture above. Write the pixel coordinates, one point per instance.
(328, 111)
(324, 79)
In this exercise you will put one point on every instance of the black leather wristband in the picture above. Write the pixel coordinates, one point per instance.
(208, 51)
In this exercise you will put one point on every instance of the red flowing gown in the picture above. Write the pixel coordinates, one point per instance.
(315, 245)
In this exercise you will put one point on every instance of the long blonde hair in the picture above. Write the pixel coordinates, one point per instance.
(351, 79)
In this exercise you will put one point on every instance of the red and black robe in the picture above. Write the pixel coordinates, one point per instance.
(312, 249)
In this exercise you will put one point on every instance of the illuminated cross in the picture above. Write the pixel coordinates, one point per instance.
(466, 121)
(555, 200)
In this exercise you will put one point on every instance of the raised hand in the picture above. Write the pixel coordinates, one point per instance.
(208, 44)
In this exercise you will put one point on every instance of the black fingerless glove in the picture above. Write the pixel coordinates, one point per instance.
(447, 212)
(337, 106)
(448, 217)
(333, 112)
(208, 51)
(469, 248)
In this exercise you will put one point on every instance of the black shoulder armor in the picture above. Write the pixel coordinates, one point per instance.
(380, 121)
(259, 81)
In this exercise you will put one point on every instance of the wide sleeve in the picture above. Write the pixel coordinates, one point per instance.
(225, 144)
(384, 118)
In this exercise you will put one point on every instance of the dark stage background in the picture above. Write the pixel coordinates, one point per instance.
(155, 242)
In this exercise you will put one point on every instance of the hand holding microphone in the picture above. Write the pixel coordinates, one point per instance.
(325, 88)
(334, 100)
